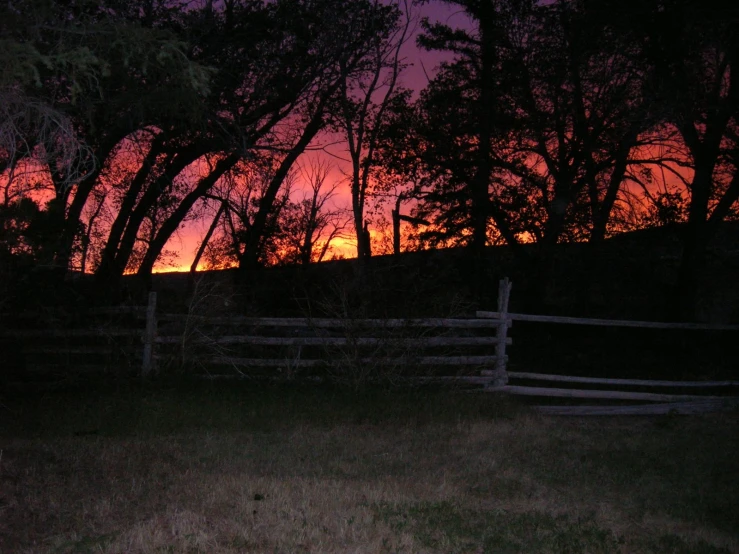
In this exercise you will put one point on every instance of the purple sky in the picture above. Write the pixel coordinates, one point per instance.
(435, 11)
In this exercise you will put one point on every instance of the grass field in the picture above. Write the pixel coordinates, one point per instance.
(233, 468)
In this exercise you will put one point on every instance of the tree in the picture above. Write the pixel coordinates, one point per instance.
(365, 101)
(314, 223)
(272, 98)
(398, 177)
(702, 68)
(690, 50)
(474, 72)
(534, 121)
(240, 194)
(345, 38)
(582, 112)
(129, 81)
(299, 231)
(449, 149)
(71, 73)
(273, 73)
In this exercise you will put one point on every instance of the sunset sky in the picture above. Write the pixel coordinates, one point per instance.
(421, 64)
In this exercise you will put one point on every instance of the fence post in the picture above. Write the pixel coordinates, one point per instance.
(500, 375)
(150, 336)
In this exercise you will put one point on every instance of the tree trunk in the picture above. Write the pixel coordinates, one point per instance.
(306, 248)
(206, 239)
(112, 270)
(705, 153)
(695, 243)
(479, 187)
(250, 257)
(127, 206)
(724, 205)
(72, 220)
(88, 233)
(360, 225)
(173, 221)
(602, 213)
(396, 228)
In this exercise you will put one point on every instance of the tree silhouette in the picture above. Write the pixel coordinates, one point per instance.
(690, 50)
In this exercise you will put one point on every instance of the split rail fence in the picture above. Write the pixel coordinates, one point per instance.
(61, 342)
(470, 351)
(620, 396)
(342, 349)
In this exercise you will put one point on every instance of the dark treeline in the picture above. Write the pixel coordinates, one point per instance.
(120, 121)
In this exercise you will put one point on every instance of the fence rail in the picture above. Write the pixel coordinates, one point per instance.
(62, 342)
(334, 322)
(57, 339)
(609, 322)
(339, 341)
(660, 402)
(301, 343)
(681, 408)
(72, 333)
(599, 394)
(422, 360)
(625, 382)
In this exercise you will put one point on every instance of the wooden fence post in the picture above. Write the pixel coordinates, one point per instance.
(150, 336)
(500, 375)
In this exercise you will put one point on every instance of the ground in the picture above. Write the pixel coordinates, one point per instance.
(226, 468)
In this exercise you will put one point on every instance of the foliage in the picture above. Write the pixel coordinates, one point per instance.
(551, 122)
(63, 63)
(28, 231)
(566, 112)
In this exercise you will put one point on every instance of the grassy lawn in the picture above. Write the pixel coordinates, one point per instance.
(229, 468)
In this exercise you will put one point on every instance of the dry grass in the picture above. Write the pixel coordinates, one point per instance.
(224, 470)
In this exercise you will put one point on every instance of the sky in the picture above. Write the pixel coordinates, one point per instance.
(423, 60)
(421, 66)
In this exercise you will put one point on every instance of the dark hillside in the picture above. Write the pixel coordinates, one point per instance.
(631, 276)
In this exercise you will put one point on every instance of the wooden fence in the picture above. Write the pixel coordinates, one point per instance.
(471, 350)
(664, 396)
(72, 342)
(345, 348)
